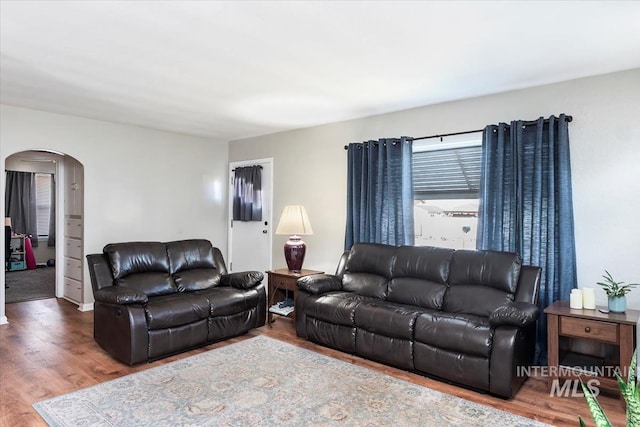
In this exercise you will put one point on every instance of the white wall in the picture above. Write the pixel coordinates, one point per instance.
(139, 184)
(310, 166)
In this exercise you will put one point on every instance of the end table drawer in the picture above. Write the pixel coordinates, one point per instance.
(582, 328)
(288, 283)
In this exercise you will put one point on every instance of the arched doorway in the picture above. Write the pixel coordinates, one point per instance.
(66, 231)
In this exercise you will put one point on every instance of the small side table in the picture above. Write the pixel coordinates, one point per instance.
(573, 334)
(280, 281)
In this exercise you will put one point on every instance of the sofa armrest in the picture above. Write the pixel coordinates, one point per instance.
(242, 280)
(517, 314)
(319, 283)
(120, 295)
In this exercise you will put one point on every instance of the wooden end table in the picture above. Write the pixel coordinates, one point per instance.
(281, 281)
(578, 334)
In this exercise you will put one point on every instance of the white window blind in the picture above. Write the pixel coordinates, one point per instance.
(43, 203)
(451, 173)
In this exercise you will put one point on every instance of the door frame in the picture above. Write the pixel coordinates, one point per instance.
(269, 176)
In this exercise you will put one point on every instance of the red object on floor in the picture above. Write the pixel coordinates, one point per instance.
(28, 254)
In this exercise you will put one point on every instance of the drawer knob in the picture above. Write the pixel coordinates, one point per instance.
(587, 329)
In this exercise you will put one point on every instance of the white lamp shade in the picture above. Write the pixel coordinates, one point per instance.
(294, 221)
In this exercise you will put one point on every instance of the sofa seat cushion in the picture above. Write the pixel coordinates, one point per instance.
(197, 279)
(463, 333)
(384, 318)
(178, 309)
(335, 307)
(225, 300)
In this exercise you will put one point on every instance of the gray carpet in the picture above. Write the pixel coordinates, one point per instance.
(28, 285)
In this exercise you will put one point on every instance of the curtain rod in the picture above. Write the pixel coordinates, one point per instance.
(240, 167)
(449, 134)
(531, 122)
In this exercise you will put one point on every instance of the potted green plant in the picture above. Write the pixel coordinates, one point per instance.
(616, 292)
(629, 392)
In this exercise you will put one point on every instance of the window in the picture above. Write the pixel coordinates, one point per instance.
(446, 183)
(43, 203)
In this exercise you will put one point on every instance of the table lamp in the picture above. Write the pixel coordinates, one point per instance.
(294, 221)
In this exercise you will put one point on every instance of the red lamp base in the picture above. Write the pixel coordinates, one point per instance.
(294, 250)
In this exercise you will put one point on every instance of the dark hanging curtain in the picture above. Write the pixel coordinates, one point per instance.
(51, 241)
(526, 205)
(247, 193)
(380, 192)
(20, 203)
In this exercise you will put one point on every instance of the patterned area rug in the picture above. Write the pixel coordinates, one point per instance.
(265, 382)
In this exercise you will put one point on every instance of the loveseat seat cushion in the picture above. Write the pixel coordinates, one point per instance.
(385, 318)
(335, 307)
(174, 310)
(461, 333)
(137, 257)
(192, 254)
(151, 283)
(225, 301)
(196, 279)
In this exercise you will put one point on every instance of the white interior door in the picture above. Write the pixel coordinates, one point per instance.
(250, 241)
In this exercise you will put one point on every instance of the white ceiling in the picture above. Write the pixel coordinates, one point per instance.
(229, 70)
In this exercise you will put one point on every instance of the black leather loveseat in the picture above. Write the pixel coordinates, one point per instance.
(154, 299)
(467, 317)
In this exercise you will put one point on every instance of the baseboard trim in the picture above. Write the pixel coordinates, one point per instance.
(85, 307)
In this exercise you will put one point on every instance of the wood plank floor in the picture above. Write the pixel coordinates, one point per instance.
(47, 349)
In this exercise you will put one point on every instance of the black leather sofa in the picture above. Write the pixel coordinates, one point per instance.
(467, 317)
(154, 299)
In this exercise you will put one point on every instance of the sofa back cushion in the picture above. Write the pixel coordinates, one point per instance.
(481, 281)
(141, 265)
(151, 283)
(368, 269)
(190, 254)
(195, 264)
(420, 276)
(137, 257)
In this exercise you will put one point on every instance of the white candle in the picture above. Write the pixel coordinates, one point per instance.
(589, 298)
(575, 299)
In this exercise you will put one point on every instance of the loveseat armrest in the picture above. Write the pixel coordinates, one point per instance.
(518, 314)
(242, 280)
(319, 283)
(120, 295)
